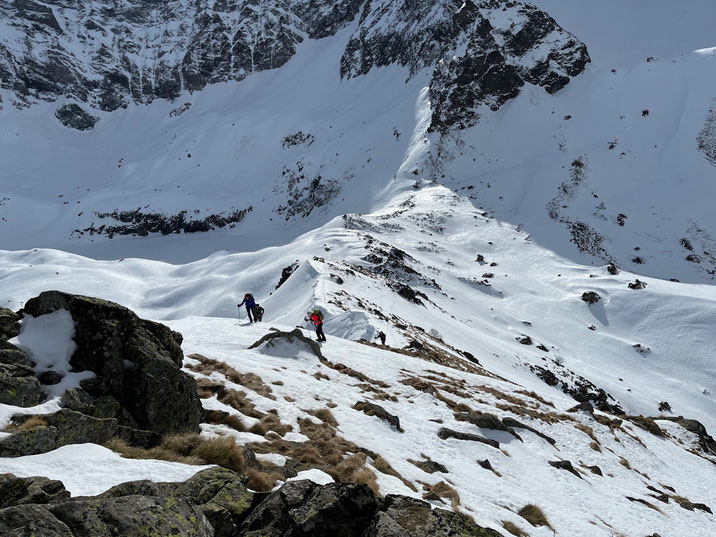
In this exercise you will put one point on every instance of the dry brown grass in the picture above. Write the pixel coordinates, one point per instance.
(325, 415)
(187, 448)
(595, 446)
(219, 417)
(31, 423)
(625, 463)
(320, 376)
(534, 515)
(352, 469)
(546, 417)
(341, 368)
(514, 529)
(270, 422)
(331, 404)
(586, 429)
(535, 396)
(445, 491)
(277, 383)
(260, 481)
(384, 467)
(251, 381)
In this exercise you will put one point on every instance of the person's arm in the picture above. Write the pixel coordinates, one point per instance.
(242, 302)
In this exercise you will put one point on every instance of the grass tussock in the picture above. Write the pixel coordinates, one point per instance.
(534, 515)
(187, 448)
(250, 381)
(596, 447)
(586, 429)
(218, 417)
(31, 423)
(320, 376)
(445, 491)
(514, 529)
(535, 396)
(384, 467)
(325, 415)
(270, 422)
(625, 463)
(353, 469)
(260, 481)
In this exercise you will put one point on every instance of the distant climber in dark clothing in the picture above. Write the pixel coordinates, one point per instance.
(250, 305)
(381, 337)
(258, 313)
(316, 317)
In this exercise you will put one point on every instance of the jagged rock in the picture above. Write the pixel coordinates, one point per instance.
(132, 515)
(216, 503)
(18, 384)
(591, 297)
(486, 421)
(612, 269)
(269, 340)
(486, 465)
(136, 362)
(74, 117)
(408, 517)
(104, 406)
(595, 470)
(304, 508)
(511, 422)
(565, 465)
(706, 441)
(637, 284)
(63, 428)
(28, 490)
(378, 411)
(286, 273)
(444, 433)
(647, 424)
(31, 521)
(585, 406)
(430, 466)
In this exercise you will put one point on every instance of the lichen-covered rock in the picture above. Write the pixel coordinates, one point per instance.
(136, 362)
(30, 490)
(31, 521)
(18, 384)
(408, 517)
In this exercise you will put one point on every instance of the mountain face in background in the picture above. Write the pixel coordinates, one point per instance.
(109, 54)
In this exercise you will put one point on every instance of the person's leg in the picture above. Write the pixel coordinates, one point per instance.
(248, 312)
(319, 332)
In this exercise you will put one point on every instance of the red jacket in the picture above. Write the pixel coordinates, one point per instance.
(316, 320)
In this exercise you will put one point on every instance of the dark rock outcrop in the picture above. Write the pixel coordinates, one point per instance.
(18, 384)
(69, 427)
(75, 117)
(216, 503)
(291, 337)
(444, 433)
(379, 412)
(136, 362)
(591, 297)
(565, 465)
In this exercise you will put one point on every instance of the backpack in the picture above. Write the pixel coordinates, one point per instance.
(318, 313)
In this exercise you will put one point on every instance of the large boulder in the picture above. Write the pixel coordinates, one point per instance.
(137, 364)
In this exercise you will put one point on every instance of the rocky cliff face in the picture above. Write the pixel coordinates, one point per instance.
(108, 55)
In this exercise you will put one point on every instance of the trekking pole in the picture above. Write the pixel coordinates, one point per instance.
(239, 311)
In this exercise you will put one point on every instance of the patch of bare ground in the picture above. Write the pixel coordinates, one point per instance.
(187, 448)
(250, 381)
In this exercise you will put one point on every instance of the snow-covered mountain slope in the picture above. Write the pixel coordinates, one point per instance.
(412, 170)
